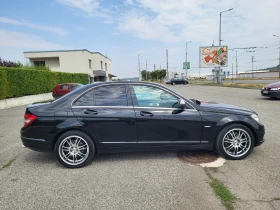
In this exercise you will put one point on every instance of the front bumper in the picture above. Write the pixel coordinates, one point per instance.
(259, 135)
(271, 93)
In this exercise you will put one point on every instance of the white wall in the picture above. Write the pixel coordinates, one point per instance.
(72, 61)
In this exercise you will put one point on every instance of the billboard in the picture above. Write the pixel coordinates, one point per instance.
(214, 56)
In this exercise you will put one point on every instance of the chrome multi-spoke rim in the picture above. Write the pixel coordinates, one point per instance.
(236, 142)
(73, 150)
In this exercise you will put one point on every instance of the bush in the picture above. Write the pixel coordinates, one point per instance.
(16, 82)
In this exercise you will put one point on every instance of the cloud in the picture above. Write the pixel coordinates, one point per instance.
(58, 31)
(197, 20)
(90, 8)
(23, 40)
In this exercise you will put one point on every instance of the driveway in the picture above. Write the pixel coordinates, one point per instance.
(146, 180)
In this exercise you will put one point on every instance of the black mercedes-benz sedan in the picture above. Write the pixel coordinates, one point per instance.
(136, 116)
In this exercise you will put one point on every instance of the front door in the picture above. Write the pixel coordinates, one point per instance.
(160, 122)
(107, 114)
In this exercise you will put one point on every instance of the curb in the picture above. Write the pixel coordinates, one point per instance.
(12, 102)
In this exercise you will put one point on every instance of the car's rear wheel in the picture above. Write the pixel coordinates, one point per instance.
(235, 142)
(74, 149)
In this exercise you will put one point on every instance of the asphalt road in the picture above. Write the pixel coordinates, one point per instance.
(151, 180)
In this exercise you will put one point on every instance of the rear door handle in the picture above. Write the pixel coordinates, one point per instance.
(90, 111)
(143, 113)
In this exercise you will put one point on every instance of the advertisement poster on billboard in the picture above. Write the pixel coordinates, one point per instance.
(213, 56)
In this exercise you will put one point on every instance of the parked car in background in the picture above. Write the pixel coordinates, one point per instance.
(167, 81)
(62, 89)
(178, 81)
(136, 116)
(271, 90)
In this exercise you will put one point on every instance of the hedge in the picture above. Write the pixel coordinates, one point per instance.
(16, 82)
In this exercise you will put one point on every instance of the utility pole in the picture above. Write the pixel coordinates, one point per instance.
(187, 58)
(146, 72)
(154, 67)
(167, 64)
(252, 63)
(236, 63)
(220, 40)
(160, 66)
(232, 73)
(139, 67)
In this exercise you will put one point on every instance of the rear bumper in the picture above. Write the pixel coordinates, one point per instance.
(269, 93)
(39, 145)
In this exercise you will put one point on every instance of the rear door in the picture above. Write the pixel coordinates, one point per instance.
(159, 122)
(107, 113)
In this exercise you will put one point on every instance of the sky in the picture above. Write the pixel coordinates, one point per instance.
(123, 29)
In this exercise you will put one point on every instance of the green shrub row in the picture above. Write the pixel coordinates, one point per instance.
(16, 82)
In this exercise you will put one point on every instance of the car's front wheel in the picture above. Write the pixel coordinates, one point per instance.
(74, 149)
(235, 142)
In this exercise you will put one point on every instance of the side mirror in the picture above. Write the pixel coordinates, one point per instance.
(182, 104)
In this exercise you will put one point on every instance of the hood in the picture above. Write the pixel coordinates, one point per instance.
(225, 108)
(273, 85)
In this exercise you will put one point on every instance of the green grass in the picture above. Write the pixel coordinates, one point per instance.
(8, 164)
(222, 192)
(237, 85)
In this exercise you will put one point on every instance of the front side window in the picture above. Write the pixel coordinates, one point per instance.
(147, 96)
(114, 95)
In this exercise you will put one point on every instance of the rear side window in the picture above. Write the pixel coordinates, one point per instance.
(63, 87)
(114, 95)
(86, 99)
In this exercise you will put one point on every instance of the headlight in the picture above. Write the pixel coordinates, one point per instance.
(255, 117)
(262, 88)
(277, 88)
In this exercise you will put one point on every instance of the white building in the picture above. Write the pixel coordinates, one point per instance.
(96, 65)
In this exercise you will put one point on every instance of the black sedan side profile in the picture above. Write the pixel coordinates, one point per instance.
(136, 116)
(174, 81)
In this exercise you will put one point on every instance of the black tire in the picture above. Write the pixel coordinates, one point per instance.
(84, 138)
(219, 144)
(57, 96)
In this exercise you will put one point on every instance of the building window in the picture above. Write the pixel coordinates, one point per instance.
(39, 63)
(89, 63)
(101, 63)
(105, 66)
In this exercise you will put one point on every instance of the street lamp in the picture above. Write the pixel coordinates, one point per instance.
(146, 71)
(220, 34)
(187, 58)
(220, 39)
(139, 67)
(279, 49)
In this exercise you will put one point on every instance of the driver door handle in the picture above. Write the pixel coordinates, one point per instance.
(143, 113)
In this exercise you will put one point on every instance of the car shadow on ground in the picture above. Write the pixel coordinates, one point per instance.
(49, 158)
(269, 99)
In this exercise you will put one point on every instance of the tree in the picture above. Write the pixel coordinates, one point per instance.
(143, 75)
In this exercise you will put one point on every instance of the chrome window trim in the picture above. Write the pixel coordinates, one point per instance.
(131, 107)
(33, 139)
(151, 85)
(109, 107)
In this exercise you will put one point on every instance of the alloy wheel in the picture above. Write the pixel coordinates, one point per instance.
(236, 142)
(73, 150)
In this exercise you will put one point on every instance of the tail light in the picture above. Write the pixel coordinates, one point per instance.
(28, 119)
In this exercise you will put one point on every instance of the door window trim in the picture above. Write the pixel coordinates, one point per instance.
(135, 107)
